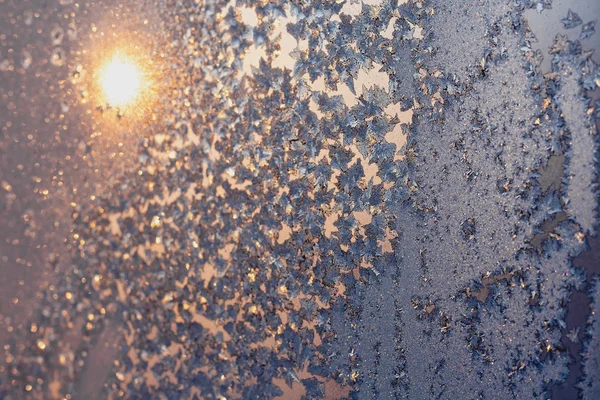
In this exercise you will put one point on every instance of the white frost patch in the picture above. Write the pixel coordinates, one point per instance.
(252, 58)
(249, 16)
(354, 7)
(351, 8)
(418, 32)
(397, 135)
(370, 78)
(342, 90)
(365, 80)
(389, 31)
(287, 42)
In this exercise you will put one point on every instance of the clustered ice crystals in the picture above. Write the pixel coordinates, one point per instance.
(256, 249)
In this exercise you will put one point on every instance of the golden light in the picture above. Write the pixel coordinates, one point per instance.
(121, 81)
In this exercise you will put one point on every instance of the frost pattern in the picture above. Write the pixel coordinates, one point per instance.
(278, 239)
(591, 384)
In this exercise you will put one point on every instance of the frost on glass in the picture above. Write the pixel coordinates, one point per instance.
(590, 386)
(336, 200)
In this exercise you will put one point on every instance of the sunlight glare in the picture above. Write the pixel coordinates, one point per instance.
(121, 82)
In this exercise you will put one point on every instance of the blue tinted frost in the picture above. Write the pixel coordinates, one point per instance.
(342, 201)
(590, 386)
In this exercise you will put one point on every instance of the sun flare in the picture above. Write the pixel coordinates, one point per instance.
(121, 82)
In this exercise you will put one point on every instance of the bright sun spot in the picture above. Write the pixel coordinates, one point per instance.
(121, 82)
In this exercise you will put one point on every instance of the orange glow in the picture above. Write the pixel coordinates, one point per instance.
(121, 81)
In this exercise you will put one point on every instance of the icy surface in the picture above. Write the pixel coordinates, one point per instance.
(590, 386)
(320, 199)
